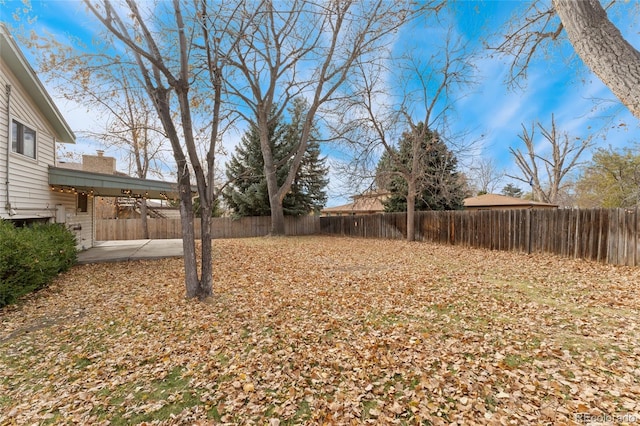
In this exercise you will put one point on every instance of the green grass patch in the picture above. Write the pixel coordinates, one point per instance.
(5, 402)
(80, 363)
(380, 319)
(158, 400)
(302, 414)
(367, 406)
(515, 360)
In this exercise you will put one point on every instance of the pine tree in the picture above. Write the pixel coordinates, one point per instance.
(308, 189)
(440, 186)
(248, 195)
(510, 190)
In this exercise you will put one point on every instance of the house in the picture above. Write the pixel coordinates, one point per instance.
(30, 127)
(32, 188)
(502, 202)
(124, 206)
(369, 202)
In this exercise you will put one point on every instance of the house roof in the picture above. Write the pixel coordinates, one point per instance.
(107, 185)
(369, 202)
(17, 63)
(495, 200)
(359, 206)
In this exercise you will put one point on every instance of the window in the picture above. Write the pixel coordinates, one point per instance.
(23, 139)
(83, 203)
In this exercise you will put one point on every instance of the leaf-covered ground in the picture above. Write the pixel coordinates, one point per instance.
(325, 330)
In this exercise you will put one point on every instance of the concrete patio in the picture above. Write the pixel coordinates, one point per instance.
(123, 251)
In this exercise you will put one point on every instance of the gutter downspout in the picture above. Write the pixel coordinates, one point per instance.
(8, 203)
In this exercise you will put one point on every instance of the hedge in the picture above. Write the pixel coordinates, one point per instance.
(31, 257)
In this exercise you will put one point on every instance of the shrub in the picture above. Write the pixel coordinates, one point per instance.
(31, 257)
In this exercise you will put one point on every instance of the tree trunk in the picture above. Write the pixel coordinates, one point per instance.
(188, 240)
(143, 216)
(603, 48)
(275, 204)
(206, 271)
(411, 209)
(277, 217)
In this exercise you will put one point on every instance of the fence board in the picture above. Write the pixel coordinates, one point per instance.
(630, 237)
(612, 254)
(602, 235)
(131, 229)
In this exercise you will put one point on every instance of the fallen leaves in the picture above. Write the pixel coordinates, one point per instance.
(327, 330)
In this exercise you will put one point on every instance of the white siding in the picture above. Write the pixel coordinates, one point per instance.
(29, 192)
(78, 223)
(28, 178)
(4, 138)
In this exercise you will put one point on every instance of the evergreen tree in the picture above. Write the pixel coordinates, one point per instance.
(511, 190)
(248, 195)
(440, 186)
(215, 212)
(308, 188)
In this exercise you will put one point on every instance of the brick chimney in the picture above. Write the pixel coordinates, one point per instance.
(99, 163)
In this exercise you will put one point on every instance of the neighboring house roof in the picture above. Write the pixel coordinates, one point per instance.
(502, 201)
(359, 206)
(106, 185)
(371, 202)
(68, 165)
(18, 64)
(367, 203)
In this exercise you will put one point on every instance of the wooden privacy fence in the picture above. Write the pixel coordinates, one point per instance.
(222, 227)
(603, 235)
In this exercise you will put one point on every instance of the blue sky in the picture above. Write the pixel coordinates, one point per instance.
(489, 113)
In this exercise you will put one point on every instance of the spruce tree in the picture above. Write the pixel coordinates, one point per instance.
(511, 190)
(247, 194)
(440, 185)
(308, 189)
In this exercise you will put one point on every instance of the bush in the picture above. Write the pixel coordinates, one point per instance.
(31, 257)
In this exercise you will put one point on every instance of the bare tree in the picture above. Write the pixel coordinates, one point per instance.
(110, 92)
(133, 127)
(534, 30)
(131, 124)
(305, 48)
(597, 41)
(422, 110)
(603, 48)
(176, 49)
(486, 175)
(547, 173)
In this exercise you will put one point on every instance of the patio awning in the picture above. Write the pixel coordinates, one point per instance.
(105, 185)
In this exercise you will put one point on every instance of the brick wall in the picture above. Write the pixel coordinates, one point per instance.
(99, 163)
